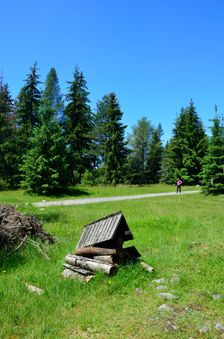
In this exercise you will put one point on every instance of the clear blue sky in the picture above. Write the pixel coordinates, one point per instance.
(154, 54)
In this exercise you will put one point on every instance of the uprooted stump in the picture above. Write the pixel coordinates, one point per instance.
(16, 228)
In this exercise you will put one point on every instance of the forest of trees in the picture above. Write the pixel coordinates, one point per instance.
(49, 141)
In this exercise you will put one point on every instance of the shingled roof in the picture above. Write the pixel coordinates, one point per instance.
(105, 230)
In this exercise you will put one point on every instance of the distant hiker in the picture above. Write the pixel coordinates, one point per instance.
(179, 183)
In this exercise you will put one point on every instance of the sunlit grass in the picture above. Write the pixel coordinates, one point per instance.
(180, 235)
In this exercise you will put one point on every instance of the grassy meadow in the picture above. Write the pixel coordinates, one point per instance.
(181, 236)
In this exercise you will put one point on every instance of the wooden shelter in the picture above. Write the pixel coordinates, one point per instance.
(100, 246)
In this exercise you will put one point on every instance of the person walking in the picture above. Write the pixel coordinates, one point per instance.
(179, 183)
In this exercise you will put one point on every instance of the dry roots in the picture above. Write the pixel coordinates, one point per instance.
(15, 228)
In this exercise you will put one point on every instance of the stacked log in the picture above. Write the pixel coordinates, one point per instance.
(88, 260)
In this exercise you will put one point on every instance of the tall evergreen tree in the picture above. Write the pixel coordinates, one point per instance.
(138, 145)
(78, 125)
(188, 145)
(8, 164)
(27, 108)
(44, 168)
(114, 147)
(155, 154)
(52, 94)
(213, 165)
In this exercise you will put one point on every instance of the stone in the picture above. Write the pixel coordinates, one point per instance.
(160, 281)
(164, 308)
(216, 296)
(204, 329)
(161, 287)
(139, 290)
(219, 327)
(34, 289)
(167, 296)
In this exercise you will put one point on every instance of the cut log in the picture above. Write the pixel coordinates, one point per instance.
(147, 267)
(90, 264)
(94, 251)
(75, 275)
(78, 269)
(104, 258)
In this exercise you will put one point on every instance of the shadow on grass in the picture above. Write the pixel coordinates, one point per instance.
(70, 192)
(12, 261)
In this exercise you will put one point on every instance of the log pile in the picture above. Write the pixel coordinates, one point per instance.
(100, 248)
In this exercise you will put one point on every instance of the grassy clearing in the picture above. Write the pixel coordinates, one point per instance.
(19, 196)
(178, 235)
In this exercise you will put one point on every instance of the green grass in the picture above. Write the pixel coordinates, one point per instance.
(19, 196)
(180, 235)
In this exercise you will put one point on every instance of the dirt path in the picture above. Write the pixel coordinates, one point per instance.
(98, 200)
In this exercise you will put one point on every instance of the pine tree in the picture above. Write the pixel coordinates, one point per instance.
(114, 147)
(27, 108)
(138, 146)
(213, 165)
(44, 168)
(77, 126)
(188, 145)
(8, 164)
(155, 154)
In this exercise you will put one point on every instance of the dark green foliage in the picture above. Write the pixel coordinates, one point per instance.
(27, 108)
(44, 169)
(155, 153)
(52, 94)
(187, 147)
(138, 146)
(8, 164)
(112, 148)
(213, 165)
(77, 127)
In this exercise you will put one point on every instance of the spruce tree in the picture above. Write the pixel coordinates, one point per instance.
(115, 151)
(188, 145)
(138, 143)
(52, 94)
(77, 126)
(8, 164)
(27, 108)
(44, 168)
(213, 165)
(155, 154)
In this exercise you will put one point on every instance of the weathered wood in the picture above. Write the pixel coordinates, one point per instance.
(147, 267)
(104, 258)
(94, 251)
(67, 273)
(90, 264)
(78, 269)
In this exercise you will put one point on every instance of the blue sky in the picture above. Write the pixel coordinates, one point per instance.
(154, 54)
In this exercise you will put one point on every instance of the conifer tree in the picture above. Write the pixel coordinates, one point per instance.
(77, 126)
(27, 108)
(188, 145)
(138, 143)
(213, 165)
(44, 168)
(114, 144)
(154, 158)
(52, 94)
(8, 164)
